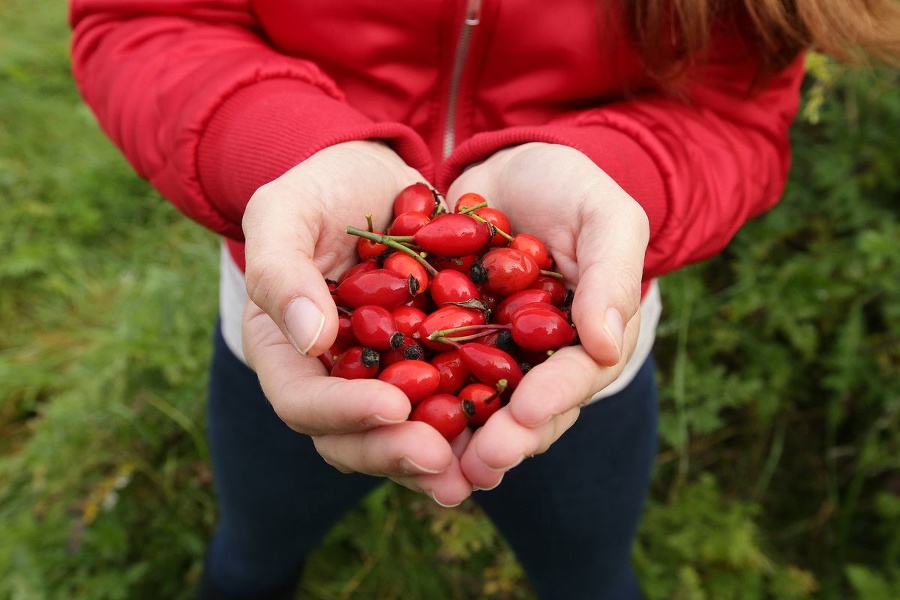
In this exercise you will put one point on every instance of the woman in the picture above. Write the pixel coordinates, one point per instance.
(633, 138)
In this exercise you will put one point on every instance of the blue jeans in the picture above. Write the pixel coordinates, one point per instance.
(570, 514)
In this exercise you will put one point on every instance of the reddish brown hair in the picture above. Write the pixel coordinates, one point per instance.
(669, 34)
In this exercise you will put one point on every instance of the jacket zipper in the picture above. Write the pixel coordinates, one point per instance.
(473, 17)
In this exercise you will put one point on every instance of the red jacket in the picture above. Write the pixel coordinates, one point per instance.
(211, 99)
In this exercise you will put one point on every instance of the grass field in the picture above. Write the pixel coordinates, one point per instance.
(779, 468)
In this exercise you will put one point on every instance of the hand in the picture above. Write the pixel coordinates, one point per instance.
(597, 235)
(295, 233)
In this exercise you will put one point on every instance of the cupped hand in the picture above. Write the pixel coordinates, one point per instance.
(597, 235)
(295, 233)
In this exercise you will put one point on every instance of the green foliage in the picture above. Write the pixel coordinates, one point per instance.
(779, 362)
(702, 545)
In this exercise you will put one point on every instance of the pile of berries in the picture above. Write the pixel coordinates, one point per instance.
(450, 307)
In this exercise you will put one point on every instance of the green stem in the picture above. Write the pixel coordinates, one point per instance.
(397, 242)
(552, 274)
(470, 210)
(445, 333)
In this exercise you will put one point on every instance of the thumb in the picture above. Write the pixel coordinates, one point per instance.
(608, 293)
(282, 277)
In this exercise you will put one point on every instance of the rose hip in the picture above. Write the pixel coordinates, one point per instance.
(345, 333)
(515, 301)
(452, 235)
(499, 222)
(330, 356)
(558, 291)
(443, 412)
(541, 327)
(370, 264)
(447, 317)
(378, 286)
(406, 265)
(452, 370)
(533, 247)
(356, 363)
(480, 401)
(416, 197)
(506, 271)
(415, 378)
(468, 201)
(374, 327)
(408, 319)
(451, 286)
(411, 350)
(457, 263)
(408, 223)
(490, 365)
(365, 248)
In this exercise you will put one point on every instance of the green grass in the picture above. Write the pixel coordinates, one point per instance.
(778, 472)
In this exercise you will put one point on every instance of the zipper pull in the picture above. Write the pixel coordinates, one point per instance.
(473, 12)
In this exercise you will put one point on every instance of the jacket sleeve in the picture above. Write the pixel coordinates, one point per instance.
(700, 165)
(203, 107)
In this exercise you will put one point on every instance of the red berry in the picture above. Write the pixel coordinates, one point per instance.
(453, 371)
(447, 317)
(450, 286)
(541, 327)
(415, 378)
(411, 350)
(469, 200)
(370, 264)
(457, 263)
(515, 301)
(490, 365)
(374, 327)
(408, 223)
(408, 319)
(443, 412)
(500, 223)
(330, 356)
(558, 291)
(366, 248)
(356, 363)
(417, 197)
(506, 271)
(479, 401)
(406, 265)
(377, 286)
(452, 235)
(345, 333)
(533, 247)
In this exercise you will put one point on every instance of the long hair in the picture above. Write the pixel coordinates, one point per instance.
(670, 34)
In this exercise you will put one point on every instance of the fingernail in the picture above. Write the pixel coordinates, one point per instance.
(441, 503)
(378, 420)
(615, 328)
(507, 468)
(475, 488)
(412, 467)
(304, 322)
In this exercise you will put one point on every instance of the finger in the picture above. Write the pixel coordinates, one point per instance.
(412, 454)
(567, 379)
(282, 278)
(503, 443)
(449, 488)
(611, 245)
(398, 451)
(303, 397)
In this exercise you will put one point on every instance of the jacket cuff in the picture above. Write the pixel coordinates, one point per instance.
(263, 130)
(619, 154)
